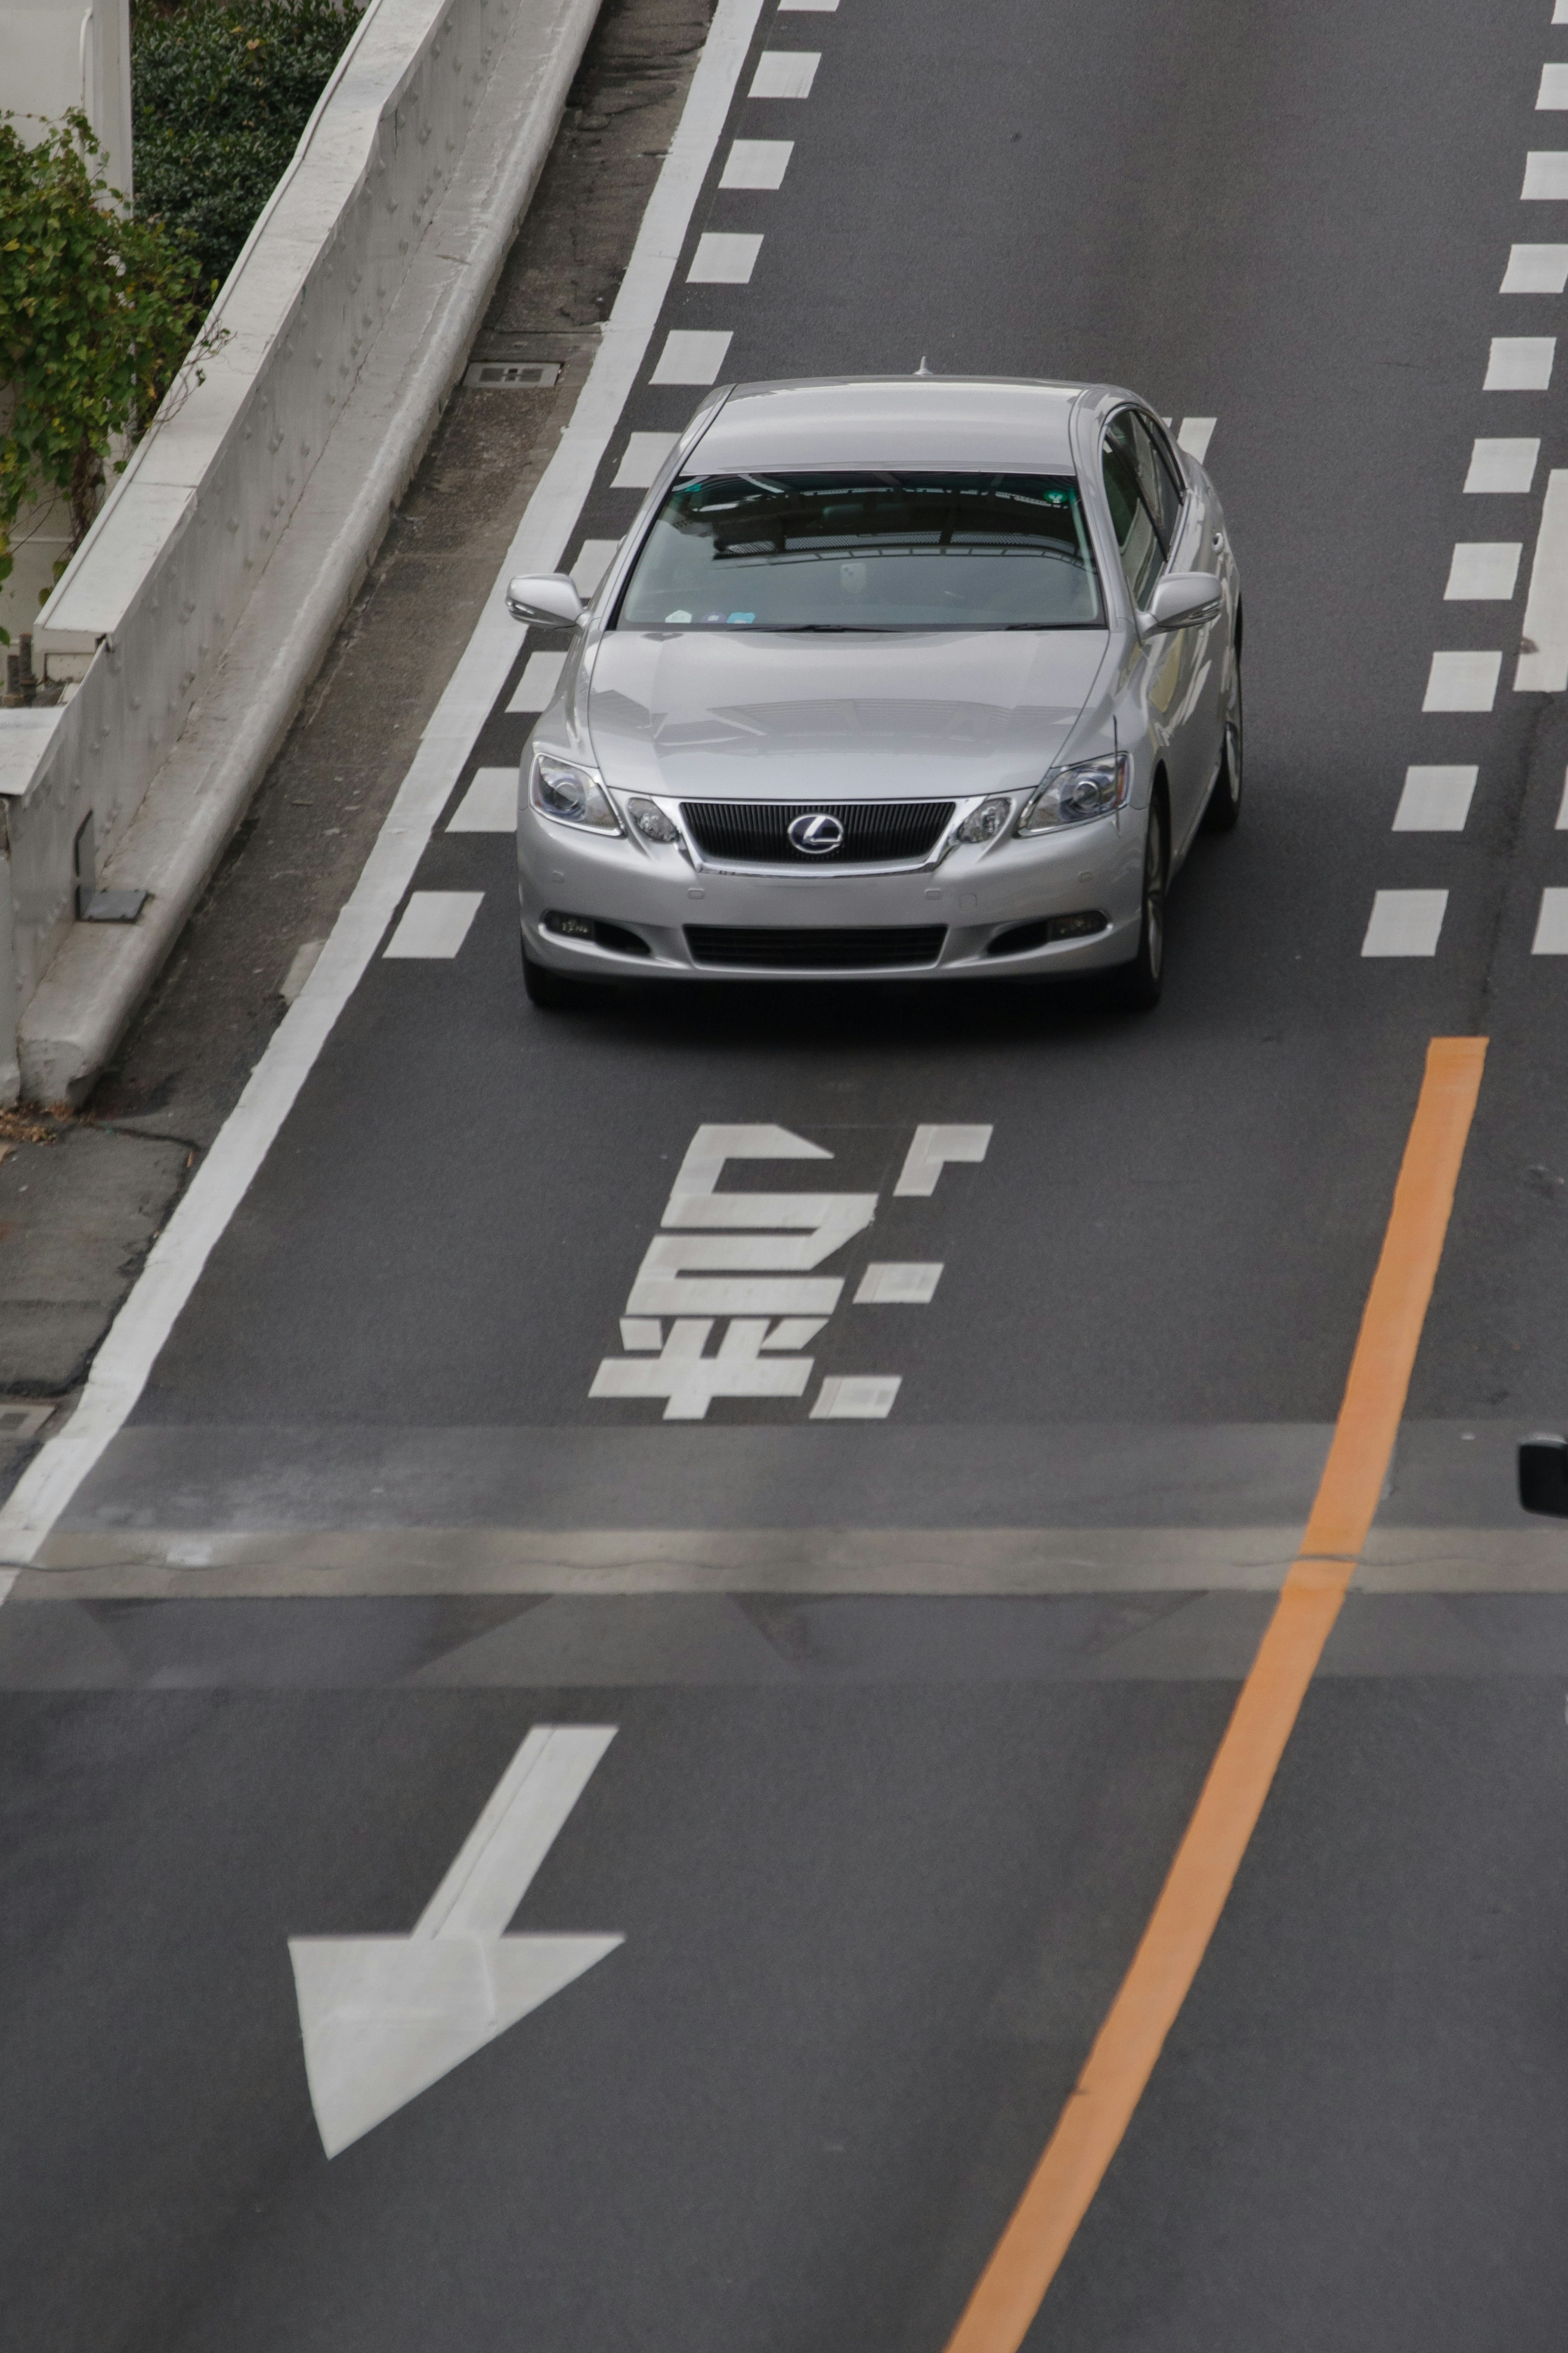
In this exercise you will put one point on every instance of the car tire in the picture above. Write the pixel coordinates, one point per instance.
(548, 992)
(1141, 984)
(1224, 811)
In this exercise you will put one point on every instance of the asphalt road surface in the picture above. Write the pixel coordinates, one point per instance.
(912, 1705)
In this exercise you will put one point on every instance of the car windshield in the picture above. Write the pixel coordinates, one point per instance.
(866, 551)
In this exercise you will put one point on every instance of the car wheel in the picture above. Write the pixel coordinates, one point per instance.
(552, 992)
(1138, 985)
(1224, 801)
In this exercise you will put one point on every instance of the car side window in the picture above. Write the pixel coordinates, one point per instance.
(1143, 554)
(1158, 478)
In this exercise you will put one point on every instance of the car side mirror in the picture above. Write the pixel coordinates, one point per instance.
(1544, 1476)
(544, 596)
(1182, 598)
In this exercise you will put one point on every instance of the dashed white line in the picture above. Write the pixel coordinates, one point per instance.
(535, 690)
(1545, 177)
(1552, 925)
(1193, 435)
(1502, 465)
(722, 259)
(1462, 682)
(435, 923)
(1535, 270)
(1520, 364)
(1405, 923)
(1434, 800)
(887, 1285)
(789, 73)
(644, 454)
(1544, 657)
(1561, 826)
(856, 1396)
(692, 355)
(1552, 98)
(490, 805)
(593, 560)
(1483, 571)
(808, 7)
(757, 163)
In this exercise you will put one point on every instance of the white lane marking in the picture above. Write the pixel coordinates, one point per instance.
(490, 805)
(1552, 98)
(1559, 12)
(1561, 826)
(1543, 662)
(689, 1381)
(856, 1396)
(1462, 682)
(593, 559)
(889, 1285)
(1535, 270)
(434, 924)
(1434, 800)
(930, 1152)
(1502, 465)
(535, 690)
(722, 259)
(691, 355)
(795, 1331)
(121, 1368)
(1483, 571)
(302, 965)
(1193, 435)
(1552, 925)
(1545, 177)
(785, 73)
(1520, 363)
(383, 2018)
(808, 7)
(641, 1332)
(1405, 923)
(644, 454)
(756, 162)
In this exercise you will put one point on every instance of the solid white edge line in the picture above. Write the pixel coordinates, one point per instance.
(133, 1341)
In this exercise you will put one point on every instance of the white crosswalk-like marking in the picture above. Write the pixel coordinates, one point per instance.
(1462, 682)
(435, 923)
(785, 73)
(756, 162)
(1502, 465)
(1520, 363)
(536, 688)
(1405, 923)
(1193, 435)
(595, 558)
(1545, 178)
(722, 259)
(1535, 270)
(1434, 800)
(1552, 98)
(490, 805)
(692, 355)
(644, 454)
(1483, 571)
(1552, 925)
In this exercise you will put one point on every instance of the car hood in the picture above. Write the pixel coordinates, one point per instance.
(708, 714)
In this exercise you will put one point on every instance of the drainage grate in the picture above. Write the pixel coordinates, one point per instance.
(513, 375)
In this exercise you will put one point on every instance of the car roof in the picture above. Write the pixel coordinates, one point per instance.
(891, 420)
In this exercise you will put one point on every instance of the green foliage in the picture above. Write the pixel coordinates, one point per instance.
(220, 92)
(97, 314)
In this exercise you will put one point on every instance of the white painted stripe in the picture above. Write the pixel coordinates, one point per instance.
(1560, 13)
(1434, 800)
(1502, 465)
(435, 925)
(856, 1396)
(756, 162)
(644, 454)
(1552, 925)
(490, 805)
(1193, 435)
(1405, 923)
(535, 690)
(593, 560)
(1465, 682)
(1483, 571)
(787, 73)
(808, 7)
(1562, 808)
(1545, 177)
(691, 355)
(1535, 270)
(121, 1367)
(888, 1285)
(1552, 98)
(722, 259)
(1520, 363)
(930, 1152)
(302, 965)
(1544, 657)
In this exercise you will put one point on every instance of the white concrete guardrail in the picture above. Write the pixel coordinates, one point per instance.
(207, 594)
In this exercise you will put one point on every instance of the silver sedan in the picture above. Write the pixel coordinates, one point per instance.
(892, 678)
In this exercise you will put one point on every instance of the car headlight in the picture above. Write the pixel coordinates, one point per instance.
(984, 823)
(573, 796)
(1069, 796)
(652, 822)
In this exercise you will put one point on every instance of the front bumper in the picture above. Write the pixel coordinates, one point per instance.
(972, 897)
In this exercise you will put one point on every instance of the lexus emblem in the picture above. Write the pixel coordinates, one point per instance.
(817, 835)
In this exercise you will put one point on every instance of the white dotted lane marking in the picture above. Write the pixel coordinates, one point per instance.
(1552, 98)
(1462, 682)
(692, 355)
(808, 7)
(856, 1396)
(1483, 571)
(1520, 364)
(434, 924)
(1552, 925)
(789, 73)
(644, 454)
(885, 1284)
(1193, 435)
(1559, 12)
(1405, 923)
(1545, 177)
(722, 259)
(1535, 270)
(1502, 466)
(1562, 824)
(592, 561)
(536, 688)
(757, 163)
(1434, 800)
(1542, 667)
(490, 805)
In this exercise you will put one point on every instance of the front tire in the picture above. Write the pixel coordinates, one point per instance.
(1141, 984)
(1224, 811)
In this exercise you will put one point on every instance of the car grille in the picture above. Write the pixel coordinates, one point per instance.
(756, 833)
(815, 951)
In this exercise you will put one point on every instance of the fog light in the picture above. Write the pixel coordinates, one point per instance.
(572, 927)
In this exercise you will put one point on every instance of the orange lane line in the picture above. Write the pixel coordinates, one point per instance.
(1031, 2248)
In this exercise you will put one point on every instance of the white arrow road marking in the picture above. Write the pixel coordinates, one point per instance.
(384, 2018)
